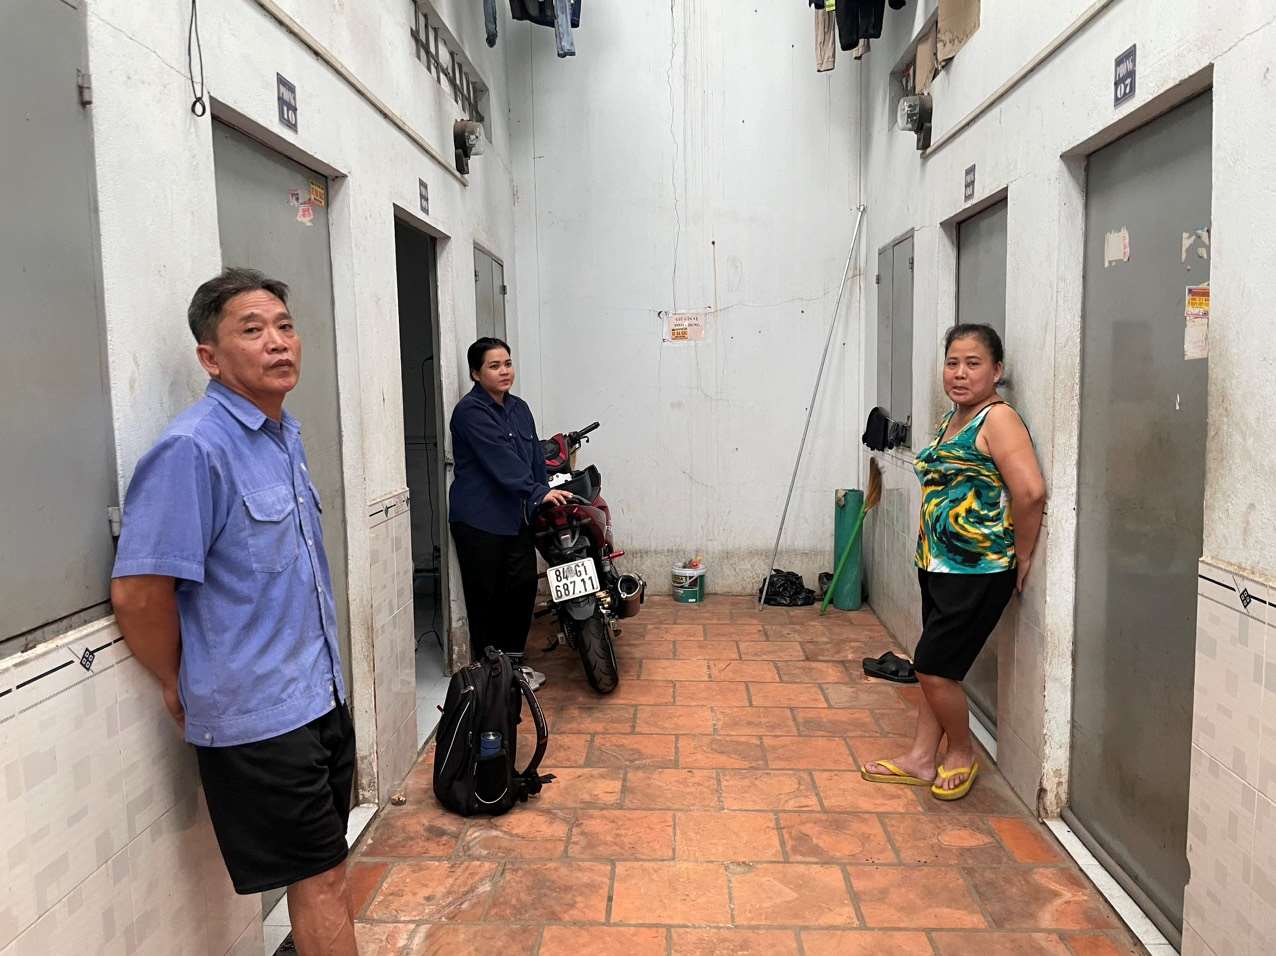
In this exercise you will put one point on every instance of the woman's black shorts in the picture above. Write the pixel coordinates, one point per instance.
(959, 612)
(280, 806)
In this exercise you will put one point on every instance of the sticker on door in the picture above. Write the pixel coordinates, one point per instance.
(1116, 247)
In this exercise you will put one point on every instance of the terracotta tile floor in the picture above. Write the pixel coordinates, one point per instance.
(713, 805)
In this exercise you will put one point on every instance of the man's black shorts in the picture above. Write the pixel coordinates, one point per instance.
(279, 806)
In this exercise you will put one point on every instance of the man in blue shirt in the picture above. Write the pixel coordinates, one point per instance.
(222, 590)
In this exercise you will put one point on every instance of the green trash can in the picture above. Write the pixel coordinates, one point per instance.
(848, 595)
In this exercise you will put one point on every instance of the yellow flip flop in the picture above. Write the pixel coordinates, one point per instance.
(895, 776)
(956, 793)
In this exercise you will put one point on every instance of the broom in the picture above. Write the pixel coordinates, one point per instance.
(871, 499)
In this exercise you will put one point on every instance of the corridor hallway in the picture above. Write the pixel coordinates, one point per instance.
(713, 805)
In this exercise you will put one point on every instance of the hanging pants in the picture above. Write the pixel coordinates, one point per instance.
(825, 39)
(859, 20)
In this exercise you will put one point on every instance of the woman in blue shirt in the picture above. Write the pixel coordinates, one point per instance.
(499, 483)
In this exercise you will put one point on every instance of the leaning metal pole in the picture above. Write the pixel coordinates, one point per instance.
(810, 411)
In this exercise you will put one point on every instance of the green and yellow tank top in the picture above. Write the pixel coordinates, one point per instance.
(966, 526)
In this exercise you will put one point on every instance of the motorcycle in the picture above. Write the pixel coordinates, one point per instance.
(587, 592)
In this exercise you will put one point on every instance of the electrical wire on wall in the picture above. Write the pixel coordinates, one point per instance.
(198, 106)
(434, 571)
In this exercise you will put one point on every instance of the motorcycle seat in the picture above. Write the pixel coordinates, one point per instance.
(587, 483)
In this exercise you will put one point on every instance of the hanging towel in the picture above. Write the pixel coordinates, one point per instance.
(562, 15)
(489, 21)
(563, 26)
(826, 38)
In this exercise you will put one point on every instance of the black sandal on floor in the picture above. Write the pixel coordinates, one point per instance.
(890, 666)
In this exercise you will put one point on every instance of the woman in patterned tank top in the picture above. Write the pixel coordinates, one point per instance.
(982, 502)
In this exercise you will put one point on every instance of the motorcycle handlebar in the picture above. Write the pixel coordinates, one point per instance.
(585, 431)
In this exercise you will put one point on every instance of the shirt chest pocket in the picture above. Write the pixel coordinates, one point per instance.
(272, 528)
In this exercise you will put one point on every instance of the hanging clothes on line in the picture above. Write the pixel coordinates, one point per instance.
(562, 15)
(489, 21)
(825, 34)
(858, 19)
(862, 20)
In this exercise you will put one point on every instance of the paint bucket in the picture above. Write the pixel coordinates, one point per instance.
(688, 584)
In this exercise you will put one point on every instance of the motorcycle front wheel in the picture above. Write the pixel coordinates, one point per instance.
(592, 638)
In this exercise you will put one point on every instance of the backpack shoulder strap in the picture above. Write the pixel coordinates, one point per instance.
(530, 779)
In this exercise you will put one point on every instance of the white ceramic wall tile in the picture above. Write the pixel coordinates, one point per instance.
(17, 900)
(381, 572)
(1267, 708)
(94, 782)
(1220, 846)
(1028, 699)
(1228, 691)
(168, 898)
(250, 942)
(1263, 880)
(1032, 602)
(401, 527)
(1007, 650)
(71, 784)
(1237, 591)
(226, 914)
(396, 748)
(1019, 765)
(159, 768)
(94, 917)
(272, 936)
(1193, 944)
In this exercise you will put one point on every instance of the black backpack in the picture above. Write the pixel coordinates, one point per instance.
(486, 698)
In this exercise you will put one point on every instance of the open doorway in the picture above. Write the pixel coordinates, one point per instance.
(416, 267)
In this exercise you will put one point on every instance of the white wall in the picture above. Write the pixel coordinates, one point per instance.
(104, 832)
(1017, 145)
(157, 211)
(690, 157)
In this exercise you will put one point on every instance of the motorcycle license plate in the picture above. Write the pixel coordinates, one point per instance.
(567, 581)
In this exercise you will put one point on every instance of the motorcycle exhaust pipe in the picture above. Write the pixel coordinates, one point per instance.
(633, 591)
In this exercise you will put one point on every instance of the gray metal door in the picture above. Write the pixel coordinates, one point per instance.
(895, 329)
(981, 297)
(884, 273)
(1141, 493)
(902, 331)
(489, 295)
(261, 227)
(58, 477)
(498, 298)
(484, 295)
(981, 268)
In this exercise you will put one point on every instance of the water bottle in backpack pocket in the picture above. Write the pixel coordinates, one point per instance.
(475, 770)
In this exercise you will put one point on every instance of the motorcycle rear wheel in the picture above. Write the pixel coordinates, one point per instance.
(592, 638)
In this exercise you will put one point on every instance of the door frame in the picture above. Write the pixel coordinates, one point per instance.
(443, 458)
(341, 250)
(952, 231)
(1160, 918)
(1060, 525)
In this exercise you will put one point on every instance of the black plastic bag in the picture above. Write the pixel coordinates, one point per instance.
(786, 589)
